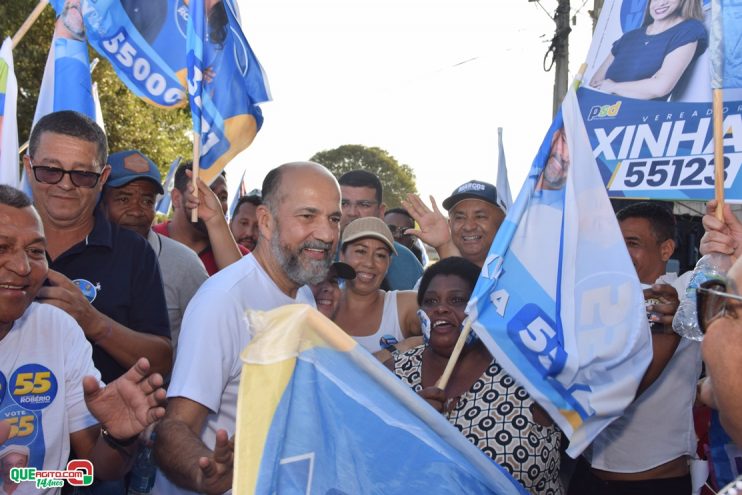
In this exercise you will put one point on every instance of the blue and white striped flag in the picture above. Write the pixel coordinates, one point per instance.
(573, 333)
(9, 165)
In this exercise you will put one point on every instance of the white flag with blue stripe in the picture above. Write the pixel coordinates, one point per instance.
(558, 302)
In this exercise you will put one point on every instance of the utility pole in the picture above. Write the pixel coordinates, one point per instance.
(595, 13)
(560, 44)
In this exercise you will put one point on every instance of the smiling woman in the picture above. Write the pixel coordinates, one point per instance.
(375, 318)
(481, 399)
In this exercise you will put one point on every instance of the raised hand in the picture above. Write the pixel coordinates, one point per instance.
(723, 237)
(434, 229)
(206, 204)
(127, 405)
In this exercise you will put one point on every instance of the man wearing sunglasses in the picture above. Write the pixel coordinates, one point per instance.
(104, 276)
(648, 449)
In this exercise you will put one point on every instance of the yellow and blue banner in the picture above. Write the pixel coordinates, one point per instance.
(318, 414)
(9, 164)
(558, 302)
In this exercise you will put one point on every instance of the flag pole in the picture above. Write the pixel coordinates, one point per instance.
(196, 167)
(718, 109)
(442, 382)
(35, 13)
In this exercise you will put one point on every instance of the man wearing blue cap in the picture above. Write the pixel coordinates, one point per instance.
(130, 196)
(475, 213)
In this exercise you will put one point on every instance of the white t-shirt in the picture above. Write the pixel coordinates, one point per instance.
(658, 426)
(213, 334)
(42, 362)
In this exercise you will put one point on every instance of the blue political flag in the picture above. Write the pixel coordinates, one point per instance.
(574, 334)
(725, 44)
(318, 414)
(148, 45)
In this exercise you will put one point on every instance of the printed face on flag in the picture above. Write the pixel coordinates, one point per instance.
(555, 171)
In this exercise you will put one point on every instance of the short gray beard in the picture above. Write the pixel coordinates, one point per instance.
(314, 273)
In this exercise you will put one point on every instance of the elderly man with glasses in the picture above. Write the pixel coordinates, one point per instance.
(719, 313)
(104, 276)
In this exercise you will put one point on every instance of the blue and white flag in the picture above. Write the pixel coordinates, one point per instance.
(225, 85)
(66, 84)
(146, 42)
(318, 414)
(725, 44)
(503, 184)
(241, 191)
(9, 165)
(163, 203)
(573, 333)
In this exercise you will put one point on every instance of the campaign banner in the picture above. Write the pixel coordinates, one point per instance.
(558, 302)
(654, 59)
(657, 150)
(318, 414)
(148, 42)
(145, 42)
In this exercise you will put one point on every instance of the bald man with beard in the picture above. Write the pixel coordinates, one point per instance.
(299, 226)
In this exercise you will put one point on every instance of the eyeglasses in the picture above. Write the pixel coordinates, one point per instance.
(364, 204)
(398, 231)
(713, 301)
(54, 175)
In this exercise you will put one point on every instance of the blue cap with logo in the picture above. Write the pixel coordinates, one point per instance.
(474, 189)
(130, 165)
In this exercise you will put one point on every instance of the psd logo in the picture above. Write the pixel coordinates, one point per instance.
(604, 111)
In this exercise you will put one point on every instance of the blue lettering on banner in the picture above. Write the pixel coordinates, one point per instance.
(133, 62)
(534, 332)
(660, 150)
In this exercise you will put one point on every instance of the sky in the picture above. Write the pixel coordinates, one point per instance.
(429, 81)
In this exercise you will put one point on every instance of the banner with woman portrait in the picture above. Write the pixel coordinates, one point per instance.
(645, 101)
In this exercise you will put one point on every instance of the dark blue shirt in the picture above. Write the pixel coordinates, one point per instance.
(118, 269)
(638, 55)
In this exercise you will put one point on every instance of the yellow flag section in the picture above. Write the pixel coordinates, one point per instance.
(317, 414)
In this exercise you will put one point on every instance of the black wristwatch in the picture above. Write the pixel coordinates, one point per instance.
(115, 443)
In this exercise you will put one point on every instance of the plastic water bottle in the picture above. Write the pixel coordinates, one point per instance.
(711, 266)
(142, 477)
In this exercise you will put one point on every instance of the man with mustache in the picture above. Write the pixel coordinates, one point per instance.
(299, 226)
(244, 222)
(210, 237)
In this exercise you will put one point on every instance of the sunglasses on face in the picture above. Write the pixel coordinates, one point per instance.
(713, 301)
(54, 175)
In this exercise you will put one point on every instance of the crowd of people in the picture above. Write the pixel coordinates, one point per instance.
(90, 288)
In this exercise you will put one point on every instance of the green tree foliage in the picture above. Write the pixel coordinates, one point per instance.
(396, 179)
(130, 122)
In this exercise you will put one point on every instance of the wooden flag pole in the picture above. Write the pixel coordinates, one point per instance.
(35, 13)
(718, 109)
(196, 168)
(442, 382)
